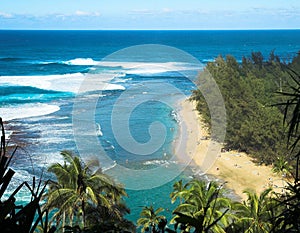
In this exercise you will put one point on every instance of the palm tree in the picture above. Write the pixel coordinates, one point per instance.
(150, 219)
(282, 167)
(178, 191)
(204, 208)
(76, 187)
(255, 214)
(101, 219)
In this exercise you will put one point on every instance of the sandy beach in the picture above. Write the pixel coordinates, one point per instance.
(236, 169)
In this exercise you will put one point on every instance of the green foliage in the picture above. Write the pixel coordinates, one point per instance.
(82, 197)
(204, 208)
(256, 214)
(150, 220)
(289, 218)
(254, 124)
(179, 191)
(282, 167)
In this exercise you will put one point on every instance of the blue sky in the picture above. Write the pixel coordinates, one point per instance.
(154, 14)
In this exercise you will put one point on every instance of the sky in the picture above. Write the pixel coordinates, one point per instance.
(148, 15)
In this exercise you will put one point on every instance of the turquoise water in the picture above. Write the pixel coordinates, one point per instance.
(41, 72)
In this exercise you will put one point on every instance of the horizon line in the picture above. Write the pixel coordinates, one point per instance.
(115, 29)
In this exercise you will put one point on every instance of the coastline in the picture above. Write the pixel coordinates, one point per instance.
(236, 169)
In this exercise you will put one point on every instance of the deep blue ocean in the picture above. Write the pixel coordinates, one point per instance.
(41, 73)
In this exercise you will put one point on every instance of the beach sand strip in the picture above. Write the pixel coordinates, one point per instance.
(236, 169)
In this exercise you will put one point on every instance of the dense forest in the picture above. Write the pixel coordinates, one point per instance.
(253, 93)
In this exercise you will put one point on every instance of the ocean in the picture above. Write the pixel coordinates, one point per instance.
(137, 79)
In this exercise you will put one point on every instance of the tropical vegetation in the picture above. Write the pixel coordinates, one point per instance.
(258, 95)
(83, 198)
(252, 90)
(262, 99)
(151, 220)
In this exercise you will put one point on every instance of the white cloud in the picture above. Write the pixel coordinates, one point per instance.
(142, 12)
(167, 10)
(284, 12)
(289, 12)
(82, 13)
(72, 16)
(5, 15)
(85, 13)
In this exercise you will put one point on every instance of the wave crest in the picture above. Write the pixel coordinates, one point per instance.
(81, 62)
(27, 110)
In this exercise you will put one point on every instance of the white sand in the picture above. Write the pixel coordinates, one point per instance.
(237, 169)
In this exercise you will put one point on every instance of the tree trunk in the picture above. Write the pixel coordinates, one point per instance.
(71, 219)
(83, 213)
(153, 228)
(64, 221)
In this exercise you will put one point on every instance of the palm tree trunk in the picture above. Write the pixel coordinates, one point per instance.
(153, 228)
(83, 213)
(64, 221)
(71, 219)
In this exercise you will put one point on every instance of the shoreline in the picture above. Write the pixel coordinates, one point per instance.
(236, 169)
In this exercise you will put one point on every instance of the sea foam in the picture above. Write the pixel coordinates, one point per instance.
(27, 110)
(81, 62)
(76, 82)
(149, 68)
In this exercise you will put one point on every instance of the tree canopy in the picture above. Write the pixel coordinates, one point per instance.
(250, 91)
